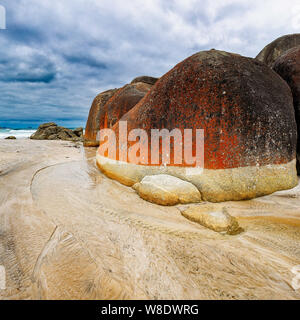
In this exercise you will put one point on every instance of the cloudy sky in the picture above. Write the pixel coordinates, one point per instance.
(56, 55)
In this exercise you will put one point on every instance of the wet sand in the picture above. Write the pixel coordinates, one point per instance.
(69, 232)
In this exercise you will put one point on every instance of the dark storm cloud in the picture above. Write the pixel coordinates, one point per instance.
(55, 56)
(85, 60)
(24, 34)
(35, 68)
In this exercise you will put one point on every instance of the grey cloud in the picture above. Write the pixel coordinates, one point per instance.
(33, 68)
(86, 60)
(23, 33)
(57, 55)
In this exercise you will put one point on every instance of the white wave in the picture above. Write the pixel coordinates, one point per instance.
(19, 134)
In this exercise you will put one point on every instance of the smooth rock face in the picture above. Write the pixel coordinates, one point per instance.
(216, 220)
(51, 131)
(246, 111)
(108, 108)
(288, 67)
(167, 190)
(11, 138)
(278, 47)
(121, 102)
(93, 123)
(145, 79)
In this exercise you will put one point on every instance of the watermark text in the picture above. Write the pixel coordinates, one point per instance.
(178, 147)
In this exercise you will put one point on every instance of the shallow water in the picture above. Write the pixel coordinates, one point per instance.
(67, 232)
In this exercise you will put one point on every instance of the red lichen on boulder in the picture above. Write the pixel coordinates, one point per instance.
(121, 102)
(245, 109)
(110, 106)
(93, 123)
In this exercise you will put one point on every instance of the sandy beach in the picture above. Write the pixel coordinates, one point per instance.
(69, 232)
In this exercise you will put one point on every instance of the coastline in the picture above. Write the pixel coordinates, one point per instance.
(18, 133)
(60, 217)
(22, 132)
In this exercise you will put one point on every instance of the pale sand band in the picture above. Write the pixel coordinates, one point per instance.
(214, 185)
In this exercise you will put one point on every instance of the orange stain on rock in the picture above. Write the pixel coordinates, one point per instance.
(243, 107)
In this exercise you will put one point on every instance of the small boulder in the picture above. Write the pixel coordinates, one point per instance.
(167, 190)
(78, 132)
(11, 138)
(214, 219)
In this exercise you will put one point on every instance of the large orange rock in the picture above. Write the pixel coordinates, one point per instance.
(93, 123)
(278, 47)
(288, 67)
(110, 106)
(121, 102)
(246, 111)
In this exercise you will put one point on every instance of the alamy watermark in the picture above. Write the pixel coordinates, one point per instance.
(2, 278)
(2, 17)
(179, 147)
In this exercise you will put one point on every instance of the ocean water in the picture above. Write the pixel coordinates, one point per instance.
(18, 133)
(24, 129)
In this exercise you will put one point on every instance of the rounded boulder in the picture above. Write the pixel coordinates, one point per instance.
(246, 113)
(288, 67)
(145, 79)
(93, 123)
(278, 47)
(110, 106)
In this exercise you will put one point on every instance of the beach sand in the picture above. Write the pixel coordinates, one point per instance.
(69, 232)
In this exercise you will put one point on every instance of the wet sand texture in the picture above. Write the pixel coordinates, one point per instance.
(69, 232)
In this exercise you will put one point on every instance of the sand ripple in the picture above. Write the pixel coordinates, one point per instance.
(68, 232)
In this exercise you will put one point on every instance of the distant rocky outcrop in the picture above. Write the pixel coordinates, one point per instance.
(247, 114)
(108, 107)
(288, 67)
(51, 131)
(278, 47)
(78, 132)
(167, 190)
(11, 138)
